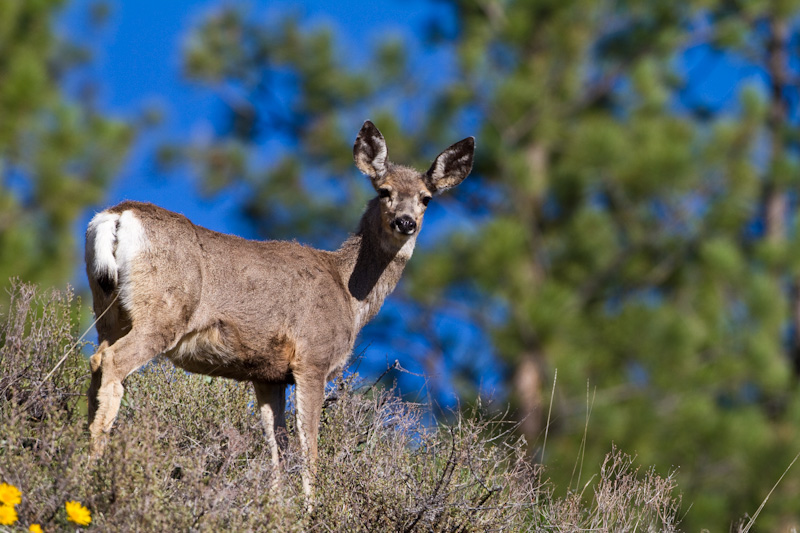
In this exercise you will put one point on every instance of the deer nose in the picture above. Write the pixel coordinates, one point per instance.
(405, 224)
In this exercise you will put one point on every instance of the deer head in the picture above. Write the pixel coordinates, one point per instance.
(404, 193)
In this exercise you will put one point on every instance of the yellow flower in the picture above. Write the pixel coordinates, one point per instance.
(8, 515)
(35, 528)
(9, 494)
(78, 513)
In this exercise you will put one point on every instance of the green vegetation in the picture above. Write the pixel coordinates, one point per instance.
(57, 154)
(633, 235)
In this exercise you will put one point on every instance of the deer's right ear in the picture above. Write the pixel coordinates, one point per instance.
(369, 151)
(451, 166)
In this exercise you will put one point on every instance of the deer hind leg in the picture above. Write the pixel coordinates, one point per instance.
(113, 323)
(110, 365)
(271, 399)
(310, 394)
(97, 377)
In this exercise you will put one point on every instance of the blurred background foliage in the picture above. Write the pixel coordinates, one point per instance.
(57, 154)
(620, 230)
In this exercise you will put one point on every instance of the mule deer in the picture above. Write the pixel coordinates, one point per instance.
(272, 313)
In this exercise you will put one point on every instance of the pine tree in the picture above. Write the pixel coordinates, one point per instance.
(637, 243)
(57, 154)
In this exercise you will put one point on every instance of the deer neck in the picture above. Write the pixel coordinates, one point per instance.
(371, 263)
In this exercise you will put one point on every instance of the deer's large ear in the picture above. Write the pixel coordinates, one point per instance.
(369, 151)
(451, 166)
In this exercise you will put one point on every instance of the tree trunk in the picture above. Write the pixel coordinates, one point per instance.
(775, 193)
(528, 385)
(775, 198)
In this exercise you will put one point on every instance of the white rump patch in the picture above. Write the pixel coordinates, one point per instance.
(131, 241)
(101, 239)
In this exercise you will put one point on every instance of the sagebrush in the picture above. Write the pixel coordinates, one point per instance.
(188, 454)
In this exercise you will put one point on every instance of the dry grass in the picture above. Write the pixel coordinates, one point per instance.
(188, 455)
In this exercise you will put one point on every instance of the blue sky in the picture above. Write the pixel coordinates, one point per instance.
(137, 62)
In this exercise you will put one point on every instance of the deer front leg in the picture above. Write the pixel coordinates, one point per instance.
(310, 392)
(271, 399)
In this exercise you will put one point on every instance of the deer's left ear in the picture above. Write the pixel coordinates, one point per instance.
(369, 152)
(451, 166)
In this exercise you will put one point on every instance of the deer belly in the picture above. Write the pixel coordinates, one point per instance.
(211, 352)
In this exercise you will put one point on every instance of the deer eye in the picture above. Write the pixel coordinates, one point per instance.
(425, 200)
(384, 193)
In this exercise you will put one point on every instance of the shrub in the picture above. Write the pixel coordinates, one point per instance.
(188, 454)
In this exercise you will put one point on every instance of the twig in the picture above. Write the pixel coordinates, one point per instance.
(579, 460)
(72, 347)
(758, 511)
(393, 366)
(443, 480)
(549, 410)
(480, 503)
